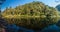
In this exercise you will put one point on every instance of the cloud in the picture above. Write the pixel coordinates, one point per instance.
(57, 0)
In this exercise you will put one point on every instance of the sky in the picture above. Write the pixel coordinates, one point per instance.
(14, 3)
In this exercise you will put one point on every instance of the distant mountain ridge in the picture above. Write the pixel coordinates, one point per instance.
(58, 7)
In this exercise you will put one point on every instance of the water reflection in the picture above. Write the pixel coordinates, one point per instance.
(14, 28)
(51, 28)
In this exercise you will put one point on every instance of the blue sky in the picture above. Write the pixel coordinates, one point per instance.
(14, 3)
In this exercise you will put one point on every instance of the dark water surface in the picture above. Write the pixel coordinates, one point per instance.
(14, 28)
(52, 28)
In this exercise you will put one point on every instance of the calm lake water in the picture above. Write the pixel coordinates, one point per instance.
(47, 29)
(51, 28)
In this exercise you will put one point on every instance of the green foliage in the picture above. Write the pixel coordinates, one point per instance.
(31, 15)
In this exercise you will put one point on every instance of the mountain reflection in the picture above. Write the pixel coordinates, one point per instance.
(52, 28)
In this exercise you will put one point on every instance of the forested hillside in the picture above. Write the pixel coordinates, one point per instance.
(31, 15)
